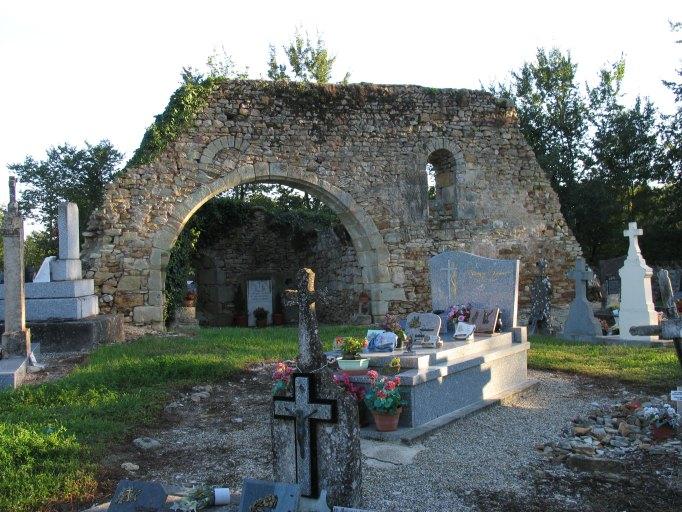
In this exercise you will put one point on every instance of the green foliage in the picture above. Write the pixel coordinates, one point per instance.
(189, 99)
(601, 156)
(68, 173)
(307, 61)
(52, 435)
(179, 270)
(38, 246)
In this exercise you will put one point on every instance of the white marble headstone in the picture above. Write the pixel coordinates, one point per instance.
(259, 295)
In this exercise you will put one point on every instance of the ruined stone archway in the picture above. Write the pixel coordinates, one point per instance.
(360, 148)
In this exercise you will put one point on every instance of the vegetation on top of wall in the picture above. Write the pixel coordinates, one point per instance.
(188, 100)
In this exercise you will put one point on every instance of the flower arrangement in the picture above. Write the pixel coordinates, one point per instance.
(661, 415)
(281, 378)
(357, 392)
(350, 347)
(459, 313)
(392, 324)
(394, 365)
(383, 395)
(260, 313)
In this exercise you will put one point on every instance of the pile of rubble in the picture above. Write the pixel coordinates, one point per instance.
(612, 432)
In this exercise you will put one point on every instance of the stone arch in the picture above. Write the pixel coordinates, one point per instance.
(372, 253)
(447, 160)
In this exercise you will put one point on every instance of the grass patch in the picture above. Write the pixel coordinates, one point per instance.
(51, 435)
(653, 368)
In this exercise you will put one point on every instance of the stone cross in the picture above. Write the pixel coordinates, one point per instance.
(632, 233)
(16, 340)
(305, 410)
(310, 354)
(581, 275)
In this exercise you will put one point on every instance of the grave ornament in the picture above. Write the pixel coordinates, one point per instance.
(135, 496)
(581, 320)
(540, 317)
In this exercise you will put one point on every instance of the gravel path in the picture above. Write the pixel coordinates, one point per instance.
(485, 461)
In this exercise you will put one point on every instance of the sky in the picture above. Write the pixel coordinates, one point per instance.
(91, 70)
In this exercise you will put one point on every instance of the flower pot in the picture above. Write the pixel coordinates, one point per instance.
(241, 320)
(353, 364)
(262, 322)
(278, 318)
(662, 433)
(385, 422)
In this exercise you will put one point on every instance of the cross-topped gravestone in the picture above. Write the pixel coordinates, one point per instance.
(315, 431)
(305, 410)
(16, 340)
(636, 298)
(581, 320)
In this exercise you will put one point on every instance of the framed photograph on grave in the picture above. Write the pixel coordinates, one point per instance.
(485, 319)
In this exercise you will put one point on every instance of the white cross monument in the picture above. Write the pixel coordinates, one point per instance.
(636, 303)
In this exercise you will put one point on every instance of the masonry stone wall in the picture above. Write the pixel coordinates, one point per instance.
(363, 149)
(256, 250)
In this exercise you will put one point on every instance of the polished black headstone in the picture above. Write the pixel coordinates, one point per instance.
(138, 496)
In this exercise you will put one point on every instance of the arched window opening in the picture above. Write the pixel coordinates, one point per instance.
(440, 171)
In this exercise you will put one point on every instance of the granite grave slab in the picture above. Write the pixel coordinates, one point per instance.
(264, 496)
(462, 278)
(136, 495)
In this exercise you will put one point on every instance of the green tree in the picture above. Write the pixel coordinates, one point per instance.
(308, 61)
(37, 246)
(67, 173)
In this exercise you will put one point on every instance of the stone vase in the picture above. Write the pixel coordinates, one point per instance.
(385, 422)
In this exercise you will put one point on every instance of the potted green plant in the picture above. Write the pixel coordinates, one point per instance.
(261, 316)
(278, 313)
(392, 324)
(393, 367)
(351, 348)
(239, 302)
(384, 401)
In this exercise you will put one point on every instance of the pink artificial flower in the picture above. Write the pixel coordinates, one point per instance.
(390, 385)
(373, 375)
(381, 394)
(461, 318)
(397, 381)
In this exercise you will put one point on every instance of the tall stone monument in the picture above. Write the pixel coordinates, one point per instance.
(315, 432)
(636, 303)
(581, 323)
(16, 340)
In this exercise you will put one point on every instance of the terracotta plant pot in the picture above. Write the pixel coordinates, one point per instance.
(278, 319)
(241, 320)
(261, 322)
(386, 422)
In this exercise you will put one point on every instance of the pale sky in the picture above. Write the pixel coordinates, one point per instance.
(87, 70)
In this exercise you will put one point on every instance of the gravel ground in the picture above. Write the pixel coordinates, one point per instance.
(487, 461)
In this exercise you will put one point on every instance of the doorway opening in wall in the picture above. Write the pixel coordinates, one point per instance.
(236, 256)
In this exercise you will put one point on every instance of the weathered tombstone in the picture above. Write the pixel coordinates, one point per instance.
(462, 278)
(16, 340)
(581, 321)
(315, 433)
(424, 329)
(540, 317)
(135, 495)
(259, 295)
(636, 305)
(269, 496)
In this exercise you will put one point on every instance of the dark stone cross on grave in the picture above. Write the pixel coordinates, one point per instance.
(310, 354)
(581, 275)
(305, 410)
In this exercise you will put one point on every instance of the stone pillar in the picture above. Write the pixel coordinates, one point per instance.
(16, 340)
(68, 266)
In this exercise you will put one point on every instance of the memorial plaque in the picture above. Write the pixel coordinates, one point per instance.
(136, 496)
(263, 496)
(424, 329)
(259, 295)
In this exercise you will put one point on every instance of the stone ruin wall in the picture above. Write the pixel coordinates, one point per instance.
(362, 147)
(256, 251)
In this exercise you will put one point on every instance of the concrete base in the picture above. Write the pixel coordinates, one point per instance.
(12, 371)
(438, 385)
(639, 341)
(74, 335)
(412, 435)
